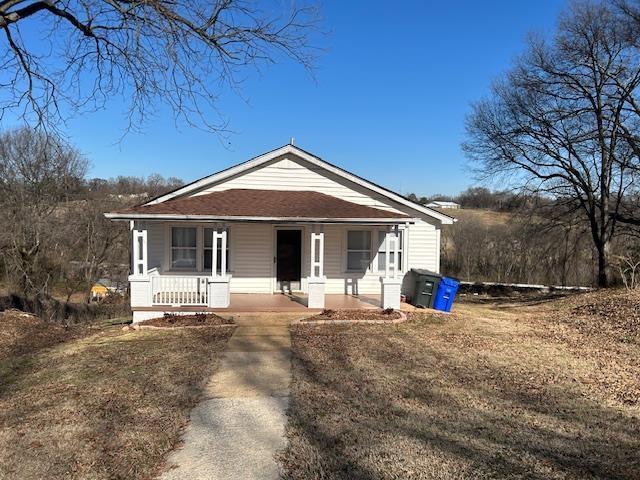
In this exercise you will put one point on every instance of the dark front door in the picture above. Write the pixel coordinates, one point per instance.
(288, 259)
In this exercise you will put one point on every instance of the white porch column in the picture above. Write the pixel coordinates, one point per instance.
(390, 283)
(139, 238)
(316, 280)
(219, 283)
(139, 282)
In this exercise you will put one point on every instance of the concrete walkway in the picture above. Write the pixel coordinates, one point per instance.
(235, 432)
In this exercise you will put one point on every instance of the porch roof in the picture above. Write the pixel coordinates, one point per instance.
(260, 205)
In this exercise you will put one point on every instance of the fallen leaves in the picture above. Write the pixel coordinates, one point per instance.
(530, 390)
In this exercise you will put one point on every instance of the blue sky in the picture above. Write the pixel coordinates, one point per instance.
(388, 100)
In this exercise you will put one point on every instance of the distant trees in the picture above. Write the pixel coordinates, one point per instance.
(482, 197)
(526, 237)
(517, 249)
(424, 200)
(152, 186)
(564, 121)
(54, 237)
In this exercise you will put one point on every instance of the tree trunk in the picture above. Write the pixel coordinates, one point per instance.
(604, 277)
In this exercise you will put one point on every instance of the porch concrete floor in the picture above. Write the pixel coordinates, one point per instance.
(278, 302)
(281, 302)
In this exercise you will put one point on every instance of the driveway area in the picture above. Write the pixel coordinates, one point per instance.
(236, 431)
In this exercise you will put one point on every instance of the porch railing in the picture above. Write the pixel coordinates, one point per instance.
(176, 290)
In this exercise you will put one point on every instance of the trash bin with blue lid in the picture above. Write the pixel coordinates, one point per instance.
(426, 287)
(446, 294)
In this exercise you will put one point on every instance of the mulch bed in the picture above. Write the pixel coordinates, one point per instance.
(196, 320)
(363, 315)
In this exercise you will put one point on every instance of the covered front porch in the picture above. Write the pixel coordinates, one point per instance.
(265, 266)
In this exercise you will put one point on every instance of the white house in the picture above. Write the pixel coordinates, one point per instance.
(443, 204)
(285, 221)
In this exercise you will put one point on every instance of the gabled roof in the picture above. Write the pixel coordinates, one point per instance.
(313, 159)
(251, 204)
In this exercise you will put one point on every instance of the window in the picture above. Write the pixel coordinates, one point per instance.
(183, 248)
(382, 250)
(358, 250)
(208, 247)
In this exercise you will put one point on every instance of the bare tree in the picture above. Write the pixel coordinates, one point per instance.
(559, 122)
(39, 175)
(628, 266)
(521, 248)
(92, 247)
(176, 52)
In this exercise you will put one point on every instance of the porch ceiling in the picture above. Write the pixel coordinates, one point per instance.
(261, 205)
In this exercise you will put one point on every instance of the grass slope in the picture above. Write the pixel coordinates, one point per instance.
(494, 391)
(484, 216)
(106, 406)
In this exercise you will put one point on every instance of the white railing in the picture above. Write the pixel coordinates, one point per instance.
(177, 291)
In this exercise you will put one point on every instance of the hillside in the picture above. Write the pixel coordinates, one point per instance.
(488, 217)
(497, 246)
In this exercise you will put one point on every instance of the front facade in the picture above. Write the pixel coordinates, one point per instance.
(283, 222)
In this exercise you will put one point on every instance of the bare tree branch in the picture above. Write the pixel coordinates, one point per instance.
(179, 53)
(566, 115)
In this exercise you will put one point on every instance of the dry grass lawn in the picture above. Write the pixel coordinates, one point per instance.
(22, 333)
(109, 405)
(537, 389)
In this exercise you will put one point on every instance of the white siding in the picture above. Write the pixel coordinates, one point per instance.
(155, 244)
(423, 246)
(422, 249)
(252, 251)
(423, 252)
(252, 258)
(292, 173)
(339, 281)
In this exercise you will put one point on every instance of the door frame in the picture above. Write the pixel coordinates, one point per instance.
(274, 263)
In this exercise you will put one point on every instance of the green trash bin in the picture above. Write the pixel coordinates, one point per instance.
(426, 287)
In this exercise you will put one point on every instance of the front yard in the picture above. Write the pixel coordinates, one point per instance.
(540, 389)
(543, 388)
(101, 405)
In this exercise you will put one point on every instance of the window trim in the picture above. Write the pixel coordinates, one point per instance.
(346, 250)
(172, 248)
(168, 245)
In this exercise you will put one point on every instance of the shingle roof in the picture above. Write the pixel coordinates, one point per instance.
(295, 151)
(262, 203)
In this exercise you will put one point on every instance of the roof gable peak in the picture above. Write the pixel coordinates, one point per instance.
(288, 148)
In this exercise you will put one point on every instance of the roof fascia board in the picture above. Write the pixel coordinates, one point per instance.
(162, 216)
